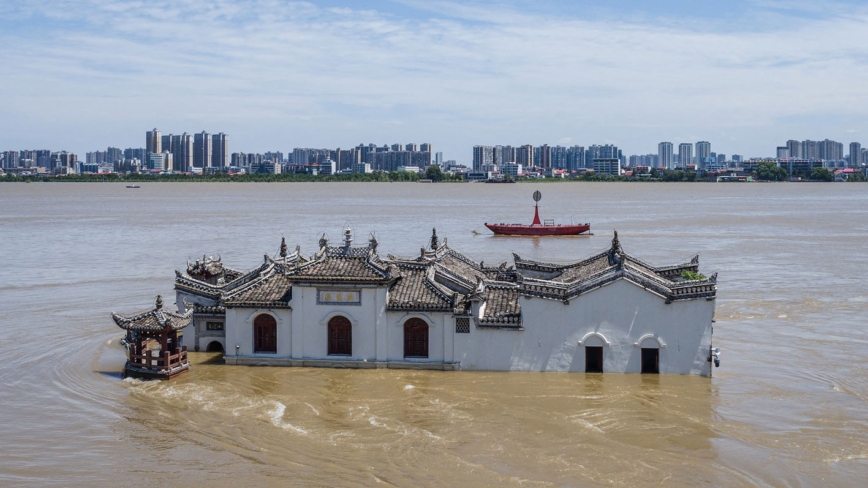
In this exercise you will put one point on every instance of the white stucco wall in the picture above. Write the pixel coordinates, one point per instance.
(367, 318)
(437, 335)
(239, 331)
(615, 316)
(622, 312)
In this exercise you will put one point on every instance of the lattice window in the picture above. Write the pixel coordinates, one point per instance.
(462, 325)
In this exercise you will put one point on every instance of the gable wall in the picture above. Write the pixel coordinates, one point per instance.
(621, 311)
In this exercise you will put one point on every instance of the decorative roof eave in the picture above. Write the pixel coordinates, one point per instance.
(507, 322)
(417, 307)
(449, 276)
(191, 284)
(688, 291)
(155, 320)
(208, 309)
(341, 280)
(547, 267)
(259, 304)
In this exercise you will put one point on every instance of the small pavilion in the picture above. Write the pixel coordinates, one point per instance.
(154, 342)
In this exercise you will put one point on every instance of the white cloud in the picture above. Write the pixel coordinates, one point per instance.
(277, 75)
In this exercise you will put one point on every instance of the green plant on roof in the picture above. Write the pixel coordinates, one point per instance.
(692, 275)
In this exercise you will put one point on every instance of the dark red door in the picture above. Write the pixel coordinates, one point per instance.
(415, 338)
(340, 337)
(264, 334)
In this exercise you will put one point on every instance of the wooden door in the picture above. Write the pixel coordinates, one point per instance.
(340, 337)
(415, 338)
(264, 334)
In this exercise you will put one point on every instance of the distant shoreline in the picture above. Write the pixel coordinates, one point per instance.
(381, 177)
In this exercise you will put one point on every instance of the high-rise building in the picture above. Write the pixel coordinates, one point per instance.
(831, 150)
(783, 152)
(153, 141)
(810, 149)
(482, 155)
(524, 156)
(703, 154)
(576, 158)
(202, 150)
(559, 157)
(397, 147)
(113, 155)
(507, 154)
(166, 142)
(411, 147)
(795, 148)
(545, 156)
(855, 155)
(10, 159)
(182, 153)
(438, 159)
(42, 158)
(64, 162)
(220, 150)
(664, 154)
(685, 154)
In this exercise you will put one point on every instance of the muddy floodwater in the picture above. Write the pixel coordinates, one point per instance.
(787, 407)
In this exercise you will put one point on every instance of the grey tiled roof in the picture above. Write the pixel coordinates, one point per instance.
(501, 306)
(340, 269)
(416, 289)
(273, 291)
(154, 320)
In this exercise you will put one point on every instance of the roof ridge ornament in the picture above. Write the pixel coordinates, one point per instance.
(695, 259)
(348, 237)
(158, 303)
(373, 242)
(283, 247)
(435, 243)
(616, 244)
(323, 241)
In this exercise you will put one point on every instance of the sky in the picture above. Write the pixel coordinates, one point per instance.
(746, 75)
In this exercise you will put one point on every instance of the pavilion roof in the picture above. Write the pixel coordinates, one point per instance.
(154, 320)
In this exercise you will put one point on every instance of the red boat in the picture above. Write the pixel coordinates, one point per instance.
(538, 228)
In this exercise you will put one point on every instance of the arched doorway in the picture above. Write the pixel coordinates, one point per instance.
(264, 334)
(340, 336)
(415, 338)
(214, 346)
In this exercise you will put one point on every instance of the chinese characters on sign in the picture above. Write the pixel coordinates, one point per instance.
(349, 297)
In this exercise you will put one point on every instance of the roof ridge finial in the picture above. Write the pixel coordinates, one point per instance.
(616, 244)
(373, 242)
(159, 302)
(323, 241)
(283, 247)
(348, 237)
(435, 243)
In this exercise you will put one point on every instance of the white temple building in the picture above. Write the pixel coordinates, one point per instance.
(346, 306)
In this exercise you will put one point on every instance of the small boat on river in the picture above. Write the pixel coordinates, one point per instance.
(539, 228)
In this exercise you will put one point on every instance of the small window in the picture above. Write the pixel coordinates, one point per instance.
(462, 325)
(213, 325)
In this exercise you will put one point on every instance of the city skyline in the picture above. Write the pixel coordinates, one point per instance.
(439, 71)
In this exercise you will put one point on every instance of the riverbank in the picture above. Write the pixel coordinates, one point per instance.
(380, 177)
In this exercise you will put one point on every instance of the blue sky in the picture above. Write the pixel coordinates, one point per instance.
(273, 74)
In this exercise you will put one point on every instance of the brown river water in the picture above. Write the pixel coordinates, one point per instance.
(787, 407)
